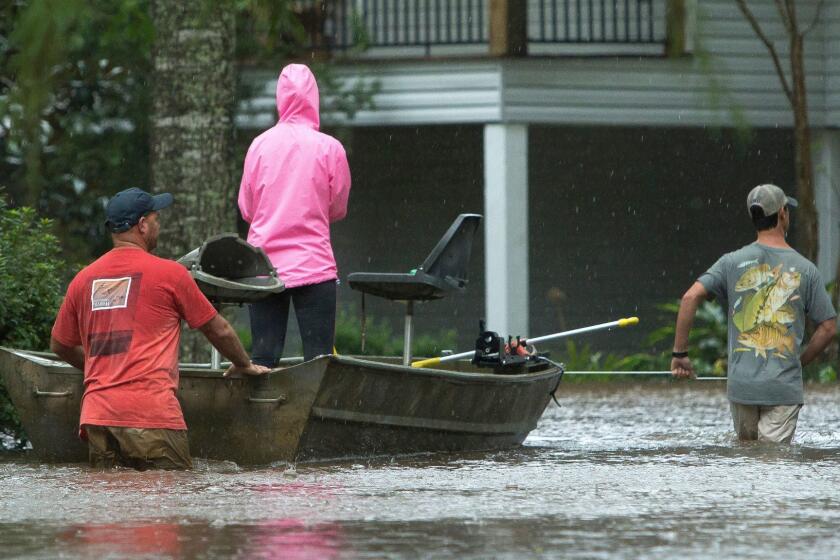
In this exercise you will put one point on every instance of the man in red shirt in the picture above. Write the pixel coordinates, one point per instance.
(120, 323)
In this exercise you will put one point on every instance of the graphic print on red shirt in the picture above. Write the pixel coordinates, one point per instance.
(108, 294)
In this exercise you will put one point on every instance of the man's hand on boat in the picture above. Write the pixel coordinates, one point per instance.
(221, 335)
(251, 369)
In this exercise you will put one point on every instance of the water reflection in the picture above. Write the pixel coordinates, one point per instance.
(161, 540)
(295, 540)
(291, 539)
(626, 470)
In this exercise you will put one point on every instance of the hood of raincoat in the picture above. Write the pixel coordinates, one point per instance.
(297, 96)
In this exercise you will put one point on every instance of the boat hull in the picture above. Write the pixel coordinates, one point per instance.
(332, 407)
(367, 408)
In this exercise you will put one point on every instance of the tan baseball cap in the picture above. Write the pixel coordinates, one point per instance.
(770, 199)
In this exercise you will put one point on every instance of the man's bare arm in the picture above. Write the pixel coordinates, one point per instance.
(73, 355)
(221, 335)
(691, 300)
(819, 340)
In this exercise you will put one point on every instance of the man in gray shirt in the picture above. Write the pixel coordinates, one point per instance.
(768, 290)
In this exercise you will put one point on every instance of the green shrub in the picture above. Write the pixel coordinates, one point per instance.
(708, 341)
(381, 340)
(582, 358)
(31, 275)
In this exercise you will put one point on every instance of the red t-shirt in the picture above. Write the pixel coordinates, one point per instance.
(125, 310)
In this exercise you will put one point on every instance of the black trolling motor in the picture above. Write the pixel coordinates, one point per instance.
(491, 350)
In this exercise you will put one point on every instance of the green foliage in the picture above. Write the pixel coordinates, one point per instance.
(824, 373)
(583, 358)
(381, 340)
(31, 273)
(708, 340)
(708, 346)
(74, 106)
(76, 96)
(244, 334)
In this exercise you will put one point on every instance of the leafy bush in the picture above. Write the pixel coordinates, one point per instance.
(708, 340)
(31, 274)
(381, 340)
(582, 358)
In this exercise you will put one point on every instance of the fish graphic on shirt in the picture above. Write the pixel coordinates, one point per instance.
(779, 295)
(757, 276)
(766, 338)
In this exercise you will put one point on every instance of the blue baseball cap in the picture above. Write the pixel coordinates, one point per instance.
(126, 208)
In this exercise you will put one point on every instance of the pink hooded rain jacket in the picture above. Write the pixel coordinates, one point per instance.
(296, 181)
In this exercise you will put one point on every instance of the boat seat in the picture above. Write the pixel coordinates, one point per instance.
(443, 272)
(228, 269)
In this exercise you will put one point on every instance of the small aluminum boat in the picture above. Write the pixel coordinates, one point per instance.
(331, 407)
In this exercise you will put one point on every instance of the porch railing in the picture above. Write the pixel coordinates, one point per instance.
(341, 25)
(594, 21)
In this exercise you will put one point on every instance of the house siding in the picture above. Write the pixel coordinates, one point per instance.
(832, 56)
(727, 79)
(409, 93)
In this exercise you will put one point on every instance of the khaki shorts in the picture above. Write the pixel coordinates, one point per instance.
(138, 448)
(765, 423)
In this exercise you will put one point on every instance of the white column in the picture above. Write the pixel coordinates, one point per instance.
(506, 228)
(826, 146)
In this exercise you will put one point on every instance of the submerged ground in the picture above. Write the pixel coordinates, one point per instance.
(620, 471)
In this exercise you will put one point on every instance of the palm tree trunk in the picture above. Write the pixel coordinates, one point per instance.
(192, 128)
(192, 121)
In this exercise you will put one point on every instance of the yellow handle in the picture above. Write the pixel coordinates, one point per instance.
(335, 351)
(628, 322)
(427, 362)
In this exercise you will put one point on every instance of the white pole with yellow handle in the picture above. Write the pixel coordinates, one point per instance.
(536, 340)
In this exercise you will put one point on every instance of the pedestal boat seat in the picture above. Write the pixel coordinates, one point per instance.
(443, 272)
(228, 270)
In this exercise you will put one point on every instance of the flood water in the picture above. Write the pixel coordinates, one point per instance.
(619, 471)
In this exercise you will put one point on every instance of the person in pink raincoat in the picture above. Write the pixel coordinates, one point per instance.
(295, 183)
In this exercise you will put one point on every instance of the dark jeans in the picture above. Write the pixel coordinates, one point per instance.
(315, 312)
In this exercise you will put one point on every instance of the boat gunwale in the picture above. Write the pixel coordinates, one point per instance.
(527, 377)
(394, 368)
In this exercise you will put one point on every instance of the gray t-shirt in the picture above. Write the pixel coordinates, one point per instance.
(768, 293)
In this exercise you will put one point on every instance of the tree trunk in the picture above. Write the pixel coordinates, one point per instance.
(192, 121)
(192, 128)
(807, 228)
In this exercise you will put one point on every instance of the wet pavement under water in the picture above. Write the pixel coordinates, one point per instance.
(620, 471)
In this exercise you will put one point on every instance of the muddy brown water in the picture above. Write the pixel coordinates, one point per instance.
(620, 471)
